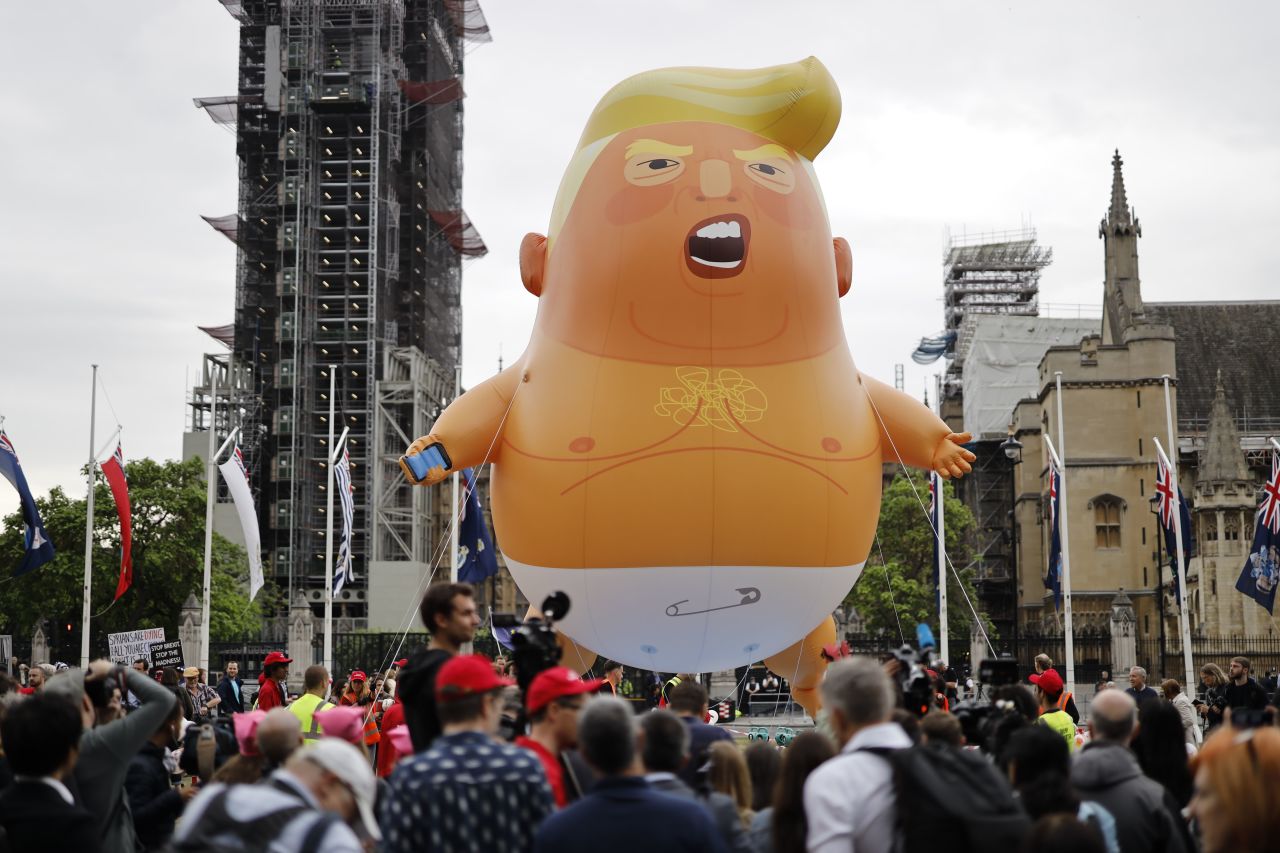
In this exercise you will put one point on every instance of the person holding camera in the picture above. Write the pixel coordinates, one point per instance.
(1213, 703)
(449, 612)
(106, 751)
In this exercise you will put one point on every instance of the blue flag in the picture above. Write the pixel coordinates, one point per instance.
(1053, 579)
(39, 550)
(1261, 571)
(477, 558)
(1164, 492)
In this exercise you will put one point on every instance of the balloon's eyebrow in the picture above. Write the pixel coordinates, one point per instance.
(658, 149)
(764, 152)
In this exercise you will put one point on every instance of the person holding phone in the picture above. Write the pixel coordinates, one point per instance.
(1213, 702)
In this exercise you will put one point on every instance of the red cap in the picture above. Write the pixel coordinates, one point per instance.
(1049, 681)
(467, 675)
(556, 683)
(275, 657)
(403, 662)
(358, 675)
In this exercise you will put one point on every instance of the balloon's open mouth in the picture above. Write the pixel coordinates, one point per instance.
(717, 247)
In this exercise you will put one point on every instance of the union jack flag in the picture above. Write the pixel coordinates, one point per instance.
(238, 458)
(1269, 512)
(342, 571)
(1165, 506)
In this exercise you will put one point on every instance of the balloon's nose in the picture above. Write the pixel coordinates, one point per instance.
(714, 179)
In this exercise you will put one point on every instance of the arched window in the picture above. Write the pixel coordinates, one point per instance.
(1232, 531)
(1106, 521)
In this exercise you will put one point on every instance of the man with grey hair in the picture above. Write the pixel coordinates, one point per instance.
(1106, 772)
(1138, 688)
(622, 798)
(849, 801)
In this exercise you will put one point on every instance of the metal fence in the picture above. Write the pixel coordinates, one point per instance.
(1263, 654)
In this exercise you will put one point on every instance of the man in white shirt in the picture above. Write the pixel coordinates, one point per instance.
(849, 801)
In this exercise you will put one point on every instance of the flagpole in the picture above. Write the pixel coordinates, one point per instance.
(1063, 525)
(453, 537)
(328, 536)
(1184, 622)
(944, 647)
(211, 487)
(88, 529)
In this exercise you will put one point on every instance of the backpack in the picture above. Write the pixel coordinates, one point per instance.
(251, 836)
(952, 794)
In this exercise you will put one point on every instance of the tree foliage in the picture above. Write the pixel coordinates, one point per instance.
(897, 588)
(168, 501)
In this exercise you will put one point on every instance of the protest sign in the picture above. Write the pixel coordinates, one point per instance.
(129, 646)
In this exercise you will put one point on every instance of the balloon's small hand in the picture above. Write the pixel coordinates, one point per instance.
(424, 465)
(950, 459)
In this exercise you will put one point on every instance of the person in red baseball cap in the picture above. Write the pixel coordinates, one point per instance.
(1049, 681)
(1049, 692)
(554, 698)
(467, 771)
(272, 692)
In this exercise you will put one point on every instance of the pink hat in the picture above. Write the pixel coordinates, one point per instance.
(246, 726)
(400, 739)
(345, 722)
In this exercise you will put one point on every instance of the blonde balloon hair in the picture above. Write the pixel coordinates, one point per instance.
(796, 105)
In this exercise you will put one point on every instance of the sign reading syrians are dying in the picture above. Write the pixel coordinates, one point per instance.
(129, 646)
(167, 654)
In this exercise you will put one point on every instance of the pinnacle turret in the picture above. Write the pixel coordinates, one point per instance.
(1120, 219)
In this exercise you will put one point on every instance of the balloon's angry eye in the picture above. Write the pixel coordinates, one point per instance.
(764, 168)
(661, 163)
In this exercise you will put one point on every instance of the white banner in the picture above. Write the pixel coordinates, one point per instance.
(237, 480)
(129, 646)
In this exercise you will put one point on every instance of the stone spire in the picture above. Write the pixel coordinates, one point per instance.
(1222, 461)
(1119, 216)
(1122, 291)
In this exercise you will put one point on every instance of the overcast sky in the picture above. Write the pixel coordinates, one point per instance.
(960, 116)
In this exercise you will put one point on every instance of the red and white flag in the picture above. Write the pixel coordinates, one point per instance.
(113, 469)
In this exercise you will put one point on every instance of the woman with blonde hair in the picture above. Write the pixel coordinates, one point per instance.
(1215, 699)
(1191, 733)
(729, 775)
(1235, 799)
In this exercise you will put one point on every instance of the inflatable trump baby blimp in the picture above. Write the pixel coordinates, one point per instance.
(686, 447)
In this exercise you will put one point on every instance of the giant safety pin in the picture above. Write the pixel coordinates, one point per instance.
(750, 595)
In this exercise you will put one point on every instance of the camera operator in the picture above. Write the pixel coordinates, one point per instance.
(105, 751)
(449, 612)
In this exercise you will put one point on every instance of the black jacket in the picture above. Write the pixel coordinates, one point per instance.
(1248, 695)
(723, 810)
(35, 817)
(155, 804)
(1148, 820)
(230, 704)
(417, 690)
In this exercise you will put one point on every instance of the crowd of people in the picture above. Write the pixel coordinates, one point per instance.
(413, 758)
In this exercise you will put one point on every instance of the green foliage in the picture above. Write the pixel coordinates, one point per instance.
(897, 583)
(168, 500)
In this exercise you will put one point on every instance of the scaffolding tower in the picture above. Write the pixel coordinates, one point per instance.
(350, 239)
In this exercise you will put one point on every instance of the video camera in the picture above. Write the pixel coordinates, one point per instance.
(534, 646)
(914, 681)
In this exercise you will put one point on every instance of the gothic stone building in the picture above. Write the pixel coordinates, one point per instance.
(1225, 394)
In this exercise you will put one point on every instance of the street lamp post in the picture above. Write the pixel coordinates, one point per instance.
(1013, 453)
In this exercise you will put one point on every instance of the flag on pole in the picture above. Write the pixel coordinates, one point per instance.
(236, 477)
(39, 550)
(935, 489)
(476, 557)
(1164, 494)
(1053, 580)
(1262, 568)
(342, 571)
(113, 469)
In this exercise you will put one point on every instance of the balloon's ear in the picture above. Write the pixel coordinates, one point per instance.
(844, 265)
(533, 259)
